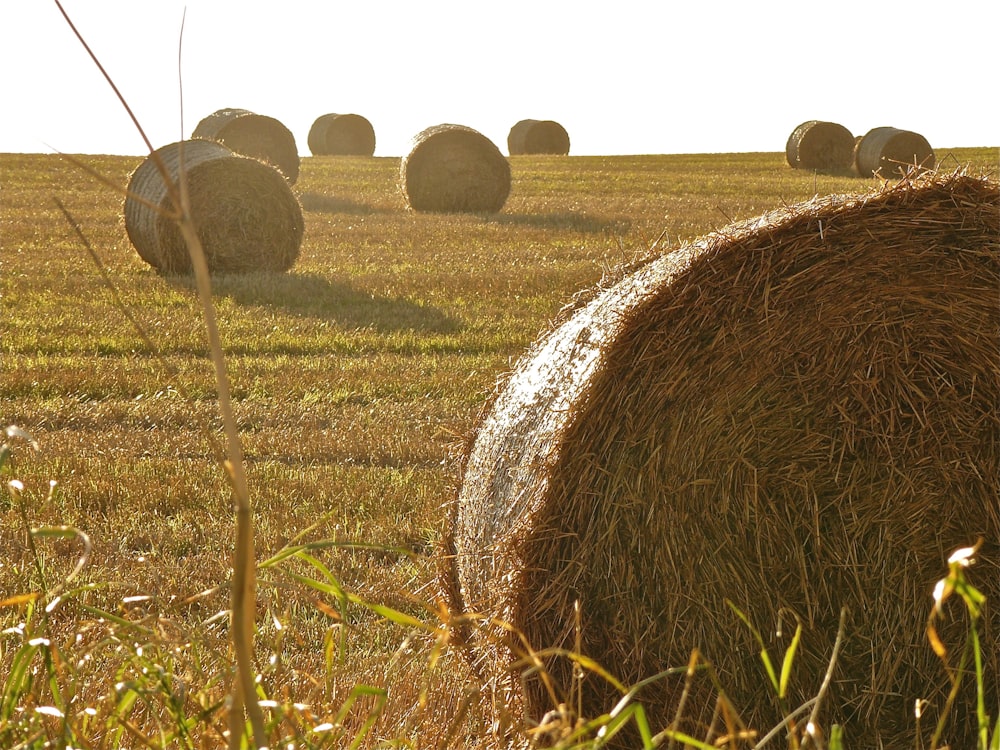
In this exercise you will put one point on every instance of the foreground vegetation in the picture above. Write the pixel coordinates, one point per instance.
(357, 378)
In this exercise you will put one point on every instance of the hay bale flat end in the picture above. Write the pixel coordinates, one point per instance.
(453, 168)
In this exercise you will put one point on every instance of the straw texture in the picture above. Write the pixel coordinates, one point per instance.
(253, 135)
(345, 135)
(537, 137)
(453, 168)
(796, 414)
(890, 153)
(820, 145)
(246, 215)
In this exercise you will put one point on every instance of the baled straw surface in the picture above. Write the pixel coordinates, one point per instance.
(250, 134)
(797, 414)
(820, 145)
(890, 153)
(347, 135)
(453, 168)
(245, 213)
(537, 137)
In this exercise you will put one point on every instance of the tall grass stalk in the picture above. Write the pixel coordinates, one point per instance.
(243, 589)
(957, 583)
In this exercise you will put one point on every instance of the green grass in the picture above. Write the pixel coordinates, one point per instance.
(357, 377)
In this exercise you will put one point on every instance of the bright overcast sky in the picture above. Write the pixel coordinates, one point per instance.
(622, 76)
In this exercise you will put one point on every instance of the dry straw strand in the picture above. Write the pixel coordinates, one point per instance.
(346, 135)
(793, 420)
(820, 145)
(537, 137)
(453, 168)
(245, 213)
(254, 135)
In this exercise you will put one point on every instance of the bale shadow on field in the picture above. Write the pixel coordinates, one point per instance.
(585, 223)
(331, 204)
(312, 296)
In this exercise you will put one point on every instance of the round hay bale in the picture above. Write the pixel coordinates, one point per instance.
(537, 137)
(797, 414)
(347, 135)
(246, 215)
(253, 135)
(889, 152)
(453, 168)
(820, 145)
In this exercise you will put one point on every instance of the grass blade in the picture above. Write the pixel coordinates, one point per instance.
(786, 664)
(765, 657)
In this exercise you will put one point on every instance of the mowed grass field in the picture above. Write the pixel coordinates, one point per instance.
(357, 378)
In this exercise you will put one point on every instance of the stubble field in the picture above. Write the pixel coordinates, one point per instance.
(357, 378)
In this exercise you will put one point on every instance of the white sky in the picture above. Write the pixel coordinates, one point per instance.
(622, 76)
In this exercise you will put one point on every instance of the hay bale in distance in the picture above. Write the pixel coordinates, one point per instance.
(537, 137)
(246, 215)
(453, 168)
(890, 152)
(348, 135)
(253, 135)
(820, 145)
(792, 419)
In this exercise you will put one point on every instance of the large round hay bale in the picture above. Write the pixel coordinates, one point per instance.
(346, 135)
(890, 152)
(797, 414)
(253, 135)
(820, 145)
(537, 137)
(246, 215)
(453, 168)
